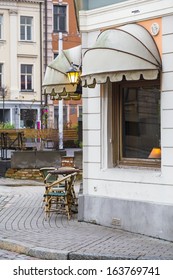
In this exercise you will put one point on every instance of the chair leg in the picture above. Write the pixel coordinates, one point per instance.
(47, 206)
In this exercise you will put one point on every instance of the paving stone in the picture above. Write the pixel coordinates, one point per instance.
(23, 229)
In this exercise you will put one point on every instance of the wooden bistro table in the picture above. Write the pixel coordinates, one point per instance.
(61, 192)
(64, 171)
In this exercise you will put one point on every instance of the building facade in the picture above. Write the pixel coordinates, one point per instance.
(60, 19)
(127, 75)
(29, 41)
(20, 62)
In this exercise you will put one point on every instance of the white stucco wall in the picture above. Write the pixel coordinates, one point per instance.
(167, 98)
(151, 186)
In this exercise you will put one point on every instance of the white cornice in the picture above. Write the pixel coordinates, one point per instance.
(15, 4)
(33, 1)
(124, 12)
(7, 2)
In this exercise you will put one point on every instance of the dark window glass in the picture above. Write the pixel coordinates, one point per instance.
(25, 28)
(26, 77)
(140, 121)
(28, 117)
(59, 18)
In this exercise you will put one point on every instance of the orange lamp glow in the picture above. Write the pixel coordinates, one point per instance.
(155, 153)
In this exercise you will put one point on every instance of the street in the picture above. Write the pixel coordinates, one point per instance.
(25, 230)
(8, 255)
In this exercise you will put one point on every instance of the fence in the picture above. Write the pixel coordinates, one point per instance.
(20, 139)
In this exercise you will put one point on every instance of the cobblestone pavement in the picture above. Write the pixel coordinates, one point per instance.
(7, 255)
(23, 229)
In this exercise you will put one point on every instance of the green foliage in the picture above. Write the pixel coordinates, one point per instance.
(7, 125)
(78, 143)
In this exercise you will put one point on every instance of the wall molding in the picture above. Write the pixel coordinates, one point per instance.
(123, 13)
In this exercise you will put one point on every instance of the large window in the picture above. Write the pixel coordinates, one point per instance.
(26, 28)
(136, 123)
(59, 18)
(1, 26)
(28, 118)
(26, 77)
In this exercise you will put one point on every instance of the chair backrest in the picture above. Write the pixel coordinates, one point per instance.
(68, 179)
(48, 178)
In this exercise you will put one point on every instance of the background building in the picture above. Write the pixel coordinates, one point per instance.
(20, 62)
(60, 18)
(29, 41)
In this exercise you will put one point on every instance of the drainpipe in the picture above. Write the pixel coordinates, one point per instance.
(41, 59)
(60, 103)
(45, 31)
(45, 49)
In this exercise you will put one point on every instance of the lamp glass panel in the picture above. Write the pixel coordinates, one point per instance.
(73, 77)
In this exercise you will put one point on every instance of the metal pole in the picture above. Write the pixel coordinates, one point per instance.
(3, 105)
(2, 91)
(60, 119)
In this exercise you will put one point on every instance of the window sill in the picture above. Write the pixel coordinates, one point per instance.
(27, 91)
(2, 41)
(26, 42)
(143, 164)
(57, 32)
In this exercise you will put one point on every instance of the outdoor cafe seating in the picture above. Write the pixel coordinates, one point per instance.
(48, 177)
(59, 195)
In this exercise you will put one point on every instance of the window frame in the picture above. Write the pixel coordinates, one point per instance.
(59, 16)
(26, 75)
(26, 25)
(117, 123)
(32, 113)
(1, 26)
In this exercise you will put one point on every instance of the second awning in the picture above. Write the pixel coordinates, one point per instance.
(55, 77)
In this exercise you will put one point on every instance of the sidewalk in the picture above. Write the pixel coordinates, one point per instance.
(23, 229)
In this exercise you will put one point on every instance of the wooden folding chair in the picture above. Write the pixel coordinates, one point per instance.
(59, 196)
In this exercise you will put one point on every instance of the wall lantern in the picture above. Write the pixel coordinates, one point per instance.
(74, 74)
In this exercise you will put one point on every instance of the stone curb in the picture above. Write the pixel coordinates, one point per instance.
(37, 252)
(85, 256)
(50, 254)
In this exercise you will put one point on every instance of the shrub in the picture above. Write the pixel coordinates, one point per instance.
(7, 125)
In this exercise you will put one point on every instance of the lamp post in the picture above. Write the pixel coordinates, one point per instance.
(2, 91)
